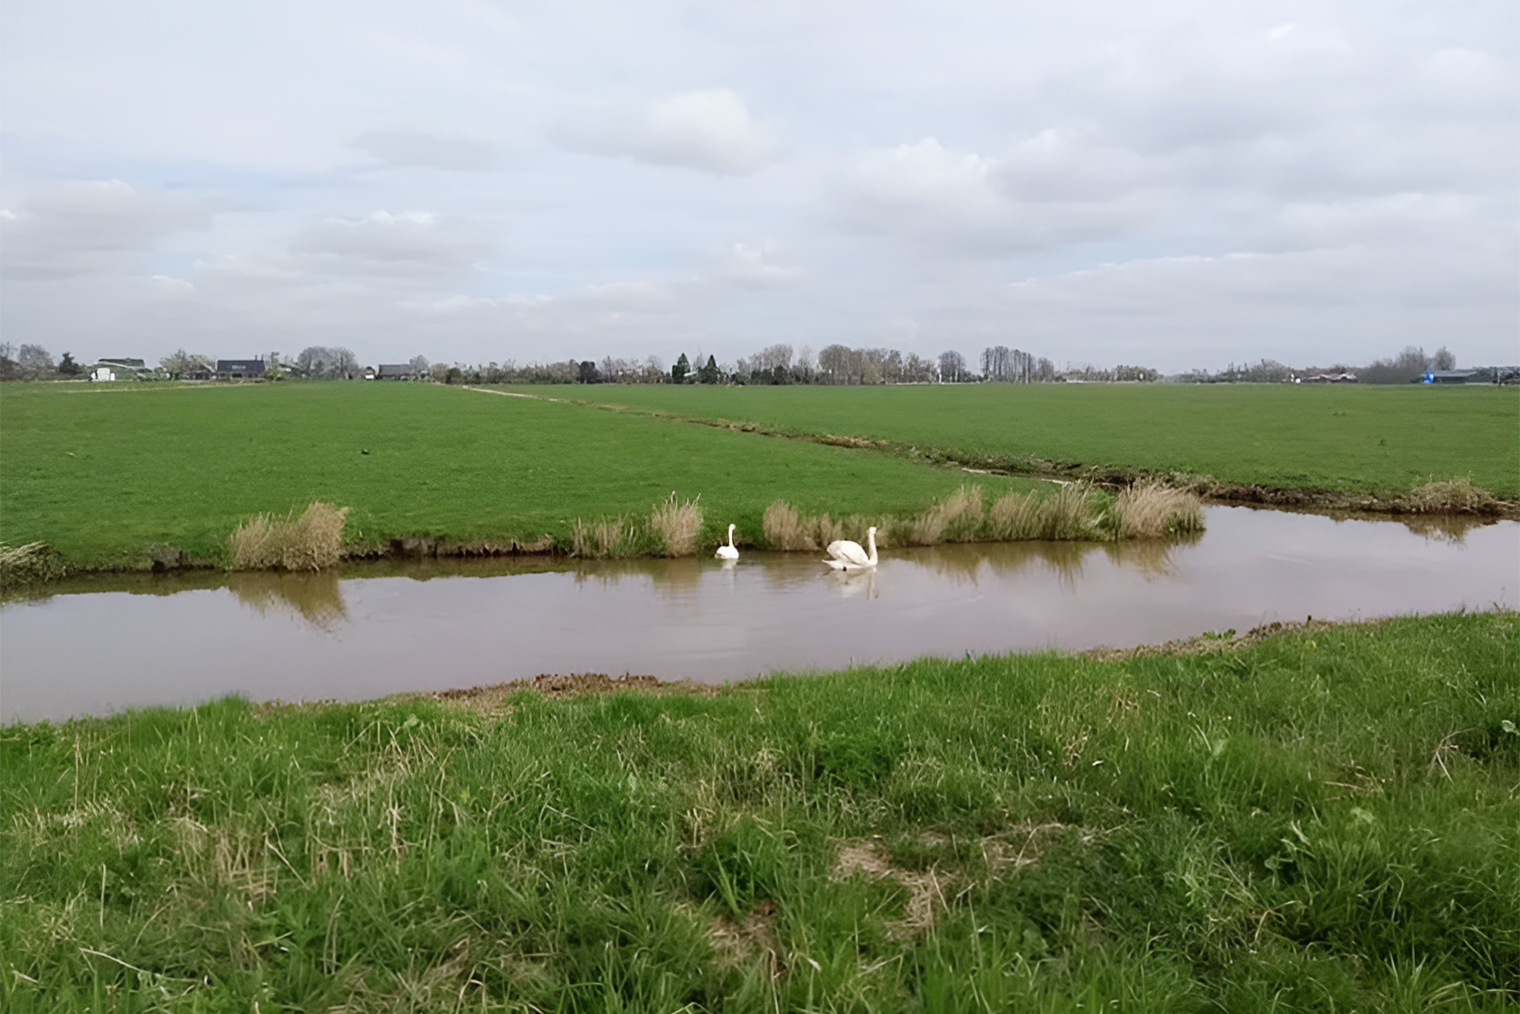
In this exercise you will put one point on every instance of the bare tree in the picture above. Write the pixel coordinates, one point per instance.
(179, 363)
(35, 362)
(952, 367)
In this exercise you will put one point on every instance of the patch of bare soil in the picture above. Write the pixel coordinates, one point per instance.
(1209, 643)
(930, 891)
(739, 943)
(492, 698)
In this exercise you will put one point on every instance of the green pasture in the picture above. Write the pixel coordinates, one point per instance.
(102, 473)
(1341, 438)
(1322, 820)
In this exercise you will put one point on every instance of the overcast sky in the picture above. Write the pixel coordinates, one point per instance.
(1174, 184)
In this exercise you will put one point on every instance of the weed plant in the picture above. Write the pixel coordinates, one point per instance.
(1450, 496)
(1321, 819)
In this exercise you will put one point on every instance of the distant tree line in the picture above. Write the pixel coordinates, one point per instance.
(1408, 367)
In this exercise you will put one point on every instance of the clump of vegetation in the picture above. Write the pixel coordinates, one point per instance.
(1072, 512)
(677, 525)
(1150, 510)
(311, 541)
(33, 563)
(957, 518)
(673, 528)
(1451, 496)
(608, 538)
(787, 529)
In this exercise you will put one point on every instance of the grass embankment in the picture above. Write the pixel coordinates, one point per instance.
(1356, 441)
(1321, 819)
(102, 474)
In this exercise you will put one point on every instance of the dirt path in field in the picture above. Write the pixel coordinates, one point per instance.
(1032, 467)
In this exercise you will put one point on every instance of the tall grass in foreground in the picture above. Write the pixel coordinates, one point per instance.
(1316, 820)
(1450, 496)
(312, 540)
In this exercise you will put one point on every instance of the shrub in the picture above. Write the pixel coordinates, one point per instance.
(1149, 510)
(312, 541)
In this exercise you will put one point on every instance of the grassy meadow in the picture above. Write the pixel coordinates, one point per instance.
(1320, 819)
(103, 473)
(1379, 440)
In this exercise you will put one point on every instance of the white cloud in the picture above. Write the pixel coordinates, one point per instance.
(711, 131)
(410, 243)
(82, 227)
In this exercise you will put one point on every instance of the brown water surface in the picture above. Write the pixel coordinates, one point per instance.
(100, 645)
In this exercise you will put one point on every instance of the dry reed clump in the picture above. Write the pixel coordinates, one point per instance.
(787, 529)
(1451, 496)
(957, 518)
(609, 537)
(1070, 513)
(312, 541)
(32, 563)
(1150, 510)
(677, 525)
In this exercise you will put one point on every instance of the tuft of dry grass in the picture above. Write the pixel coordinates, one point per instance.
(1150, 510)
(32, 563)
(1015, 517)
(599, 540)
(677, 525)
(312, 541)
(788, 530)
(1451, 496)
(957, 518)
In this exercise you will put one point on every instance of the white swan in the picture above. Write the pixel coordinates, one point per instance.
(728, 552)
(847, 555)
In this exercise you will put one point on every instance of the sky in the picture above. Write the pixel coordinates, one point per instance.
(1172, 183)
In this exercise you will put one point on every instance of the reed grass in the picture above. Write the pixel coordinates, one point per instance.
(957, 518)
(1152, 510)
(672, 528)
(678, 525)
(1073, 512)
(312, 540)
(1311, 820)
(786, 529)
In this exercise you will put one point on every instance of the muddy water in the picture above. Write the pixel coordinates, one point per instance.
(99, 646)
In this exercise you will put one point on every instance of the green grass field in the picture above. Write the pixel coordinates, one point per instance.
(102, 473)
(1322, 820)
(1342, 438)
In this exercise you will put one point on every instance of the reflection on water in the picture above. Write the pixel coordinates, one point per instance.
(316, 598)
(384, 627)
(1443, 527)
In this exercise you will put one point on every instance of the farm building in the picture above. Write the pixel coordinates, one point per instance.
(239, 369)
(396, 371)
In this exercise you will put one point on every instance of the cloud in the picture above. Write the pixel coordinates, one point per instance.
(979, 204)
(710, 131)
(382, 243)
(85, 227)
(752, 267)
(424, 150)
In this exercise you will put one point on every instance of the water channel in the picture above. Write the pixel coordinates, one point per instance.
(95, 646)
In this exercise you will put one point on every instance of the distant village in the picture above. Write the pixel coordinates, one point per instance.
(774, 365)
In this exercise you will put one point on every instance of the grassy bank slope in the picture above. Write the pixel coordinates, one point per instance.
(1350, 439)
(102, 473)
(1322, 820)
